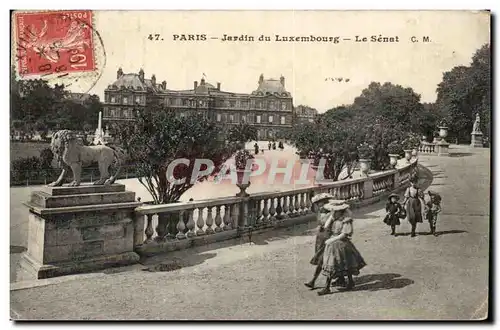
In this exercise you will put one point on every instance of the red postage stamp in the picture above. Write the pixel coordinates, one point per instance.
(54, 42)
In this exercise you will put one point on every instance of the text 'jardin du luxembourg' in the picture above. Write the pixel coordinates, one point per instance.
(378, 38)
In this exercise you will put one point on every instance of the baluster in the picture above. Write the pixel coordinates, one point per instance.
(209, 221)
(308, 202)
(272, 211)
(297, 205)
(234, 215)
(302, 204)
(285, 207)
(291, 207)
(200, 223)
(265, 211)
(181, 226)
(258, 212)
(279, 209)
(342, 194)
(227, 217)
(352, 195)
(149, 229)
(190, 224)
(218, 219)
(161, 228)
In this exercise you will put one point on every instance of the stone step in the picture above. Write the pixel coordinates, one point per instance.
(45, 200)
(84, 189)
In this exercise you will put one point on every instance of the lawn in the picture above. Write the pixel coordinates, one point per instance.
(26, 149)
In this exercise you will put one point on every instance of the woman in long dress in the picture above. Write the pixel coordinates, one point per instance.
(341, 258)
(413, 203)
(322, 214)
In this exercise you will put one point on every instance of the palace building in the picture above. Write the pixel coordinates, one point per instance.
(304, 114)
(269, 107)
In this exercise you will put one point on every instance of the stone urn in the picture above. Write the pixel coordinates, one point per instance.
(393, 160)
(443, 132)
(243, 181)
(414, 153)
(408, 155)
(364, 166)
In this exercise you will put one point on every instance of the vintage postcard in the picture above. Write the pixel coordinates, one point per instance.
(250, 165)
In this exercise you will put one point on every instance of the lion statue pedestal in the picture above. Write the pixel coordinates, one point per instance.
(81, 229)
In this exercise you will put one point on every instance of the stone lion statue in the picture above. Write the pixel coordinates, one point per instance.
(72, 155)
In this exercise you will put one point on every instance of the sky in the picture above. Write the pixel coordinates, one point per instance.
(308, 67)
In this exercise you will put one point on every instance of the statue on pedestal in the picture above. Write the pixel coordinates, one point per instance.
(72, 155)
(476, 128)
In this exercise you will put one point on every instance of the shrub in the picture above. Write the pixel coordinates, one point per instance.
(241, 158)
(46, 157)
(395, 148)
(365, 151)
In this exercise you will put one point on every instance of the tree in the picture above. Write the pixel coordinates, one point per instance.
(391, 104)
(328, 144)
(464, 92)
(242, 133)
(159, 137)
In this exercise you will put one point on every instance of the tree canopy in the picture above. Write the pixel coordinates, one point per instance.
(159, 137)
(464, 92)
(39, 106)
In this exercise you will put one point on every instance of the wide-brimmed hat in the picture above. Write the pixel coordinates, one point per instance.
(393, 195)
(320, 197)
(334, 207)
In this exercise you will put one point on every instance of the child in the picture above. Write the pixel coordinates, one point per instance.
(394, 212)
(432, 208)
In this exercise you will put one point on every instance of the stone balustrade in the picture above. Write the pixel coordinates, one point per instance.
(169, 227)
(427, 148)
(89, 228)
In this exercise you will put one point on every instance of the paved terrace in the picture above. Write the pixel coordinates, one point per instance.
(425, 277)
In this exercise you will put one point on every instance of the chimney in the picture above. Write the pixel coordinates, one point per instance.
(153, 80)
(119, 73)
(282, 81)
(141, 75)
(261, 78)
(218, 86)
(195, 84)
(164, 85)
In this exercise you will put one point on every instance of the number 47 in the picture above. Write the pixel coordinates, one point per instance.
(154, 37)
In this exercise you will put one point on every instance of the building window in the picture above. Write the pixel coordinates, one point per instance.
(232, 104)
(231, 118)
(243, 119)
(258, 104)
(244, 104)
(219, 117)
(113, 99)
(258, 119)
(271, 105)
(125, 100)
(283, 120)
(283, 105)
(137, 99)
(185, 102)
(270, 118)
(113, 113)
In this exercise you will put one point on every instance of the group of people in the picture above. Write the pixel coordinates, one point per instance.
(270, 145)
(411, 208)
(336, 256)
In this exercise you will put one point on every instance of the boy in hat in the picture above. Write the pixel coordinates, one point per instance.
(432, 208)
(394, 211)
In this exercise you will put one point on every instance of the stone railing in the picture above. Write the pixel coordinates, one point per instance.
(168, 227)
(427, 148)
(88, 227)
